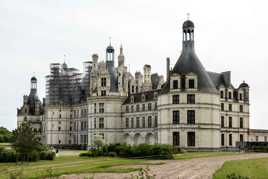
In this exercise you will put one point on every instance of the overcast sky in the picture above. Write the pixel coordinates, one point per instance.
(229, 35)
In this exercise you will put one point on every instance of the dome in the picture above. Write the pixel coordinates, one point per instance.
(110, 49)
(243, 85)
(188, 24)
(33, 79)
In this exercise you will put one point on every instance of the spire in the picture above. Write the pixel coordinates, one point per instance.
(121, 49)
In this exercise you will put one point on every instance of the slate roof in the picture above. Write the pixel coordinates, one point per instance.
(149, 96)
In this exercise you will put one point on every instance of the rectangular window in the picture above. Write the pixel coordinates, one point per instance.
(191, 117)
(257, 138)
(59, 128)
(175, 84)
(222, 121)
(230, 122)
(230, 139)
(127, 123)
(127, 108)
(241, 138)
(95, 108)
(190, 99)
(191, 84)
(143, 107)
(155, 121)
(143, 122)
(103, 92)
(132, 89)
(191, 139)
(176, 117)
(230, 95)
(132, 108)
(103, 82)
(155, 106)
(241, 108)
(137, 108)
(149, 121)
(222, 96)
(101, 123)
(137, 122)
(132, 123)
(95, 123)
(265, 138)
(241, 122)
(149, 106)
(176, 138)
(222, 139)
(222, 106)
(230, 107)
(176, 99)
(101, 107)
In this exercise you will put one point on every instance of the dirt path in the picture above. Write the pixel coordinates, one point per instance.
(199, 168)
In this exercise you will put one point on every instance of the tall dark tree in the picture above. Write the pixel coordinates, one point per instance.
(26, 140)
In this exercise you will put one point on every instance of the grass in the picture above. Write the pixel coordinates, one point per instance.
(71, 164)
(253, 168)
(191, 155)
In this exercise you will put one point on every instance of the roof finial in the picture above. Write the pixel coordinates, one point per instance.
(110, 40)
(188, 16)
(121, 49)
(64, 58)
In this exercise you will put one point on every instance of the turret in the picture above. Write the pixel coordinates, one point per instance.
(147, 84)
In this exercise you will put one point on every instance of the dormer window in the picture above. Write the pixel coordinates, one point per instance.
(191, 83)
(222, 96)
(240, 96)
(103, 82)
(175, 84)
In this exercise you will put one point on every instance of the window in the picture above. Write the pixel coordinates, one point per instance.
(222, 139)
(103, 82)
(230, 95)
(191, 117)
(103, 92)
(149, 106)
(240, 96)
(191, 139)
(101, 107)
(241, 138)
(132, 108)
(230, 140)
(137, 122)
(241, 108)
(175, 84)
(176, 99)
(190, 99)
(143, 122)
(155, 106)
(95, 108)
(257, 138)
(132, 123)
(132, 89)
(222, 121)
(176, 117)
(132, 99)
(127, 123)
(101, 123)
(155, 121)
(230, 107)
(265, 138)
(176, 138)
(95, 123)
(222, 96)
(143, 107)
(149, 121)
(59, 128)
(137, 108)
(230, 122)
(143, 97)
(191, 84)
(127, 108)
(222, 106)
(60, 116)
(241, 122)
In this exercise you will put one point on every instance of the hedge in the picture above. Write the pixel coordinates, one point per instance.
(157, 151)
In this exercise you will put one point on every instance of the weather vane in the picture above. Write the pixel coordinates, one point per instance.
(188, 16)
(110, 39)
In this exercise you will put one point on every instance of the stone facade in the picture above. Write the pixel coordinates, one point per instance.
(193, 108)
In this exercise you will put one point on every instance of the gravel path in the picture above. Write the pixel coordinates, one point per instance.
(199, 168)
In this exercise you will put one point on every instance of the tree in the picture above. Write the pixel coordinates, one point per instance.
(26, 141)
(6, 135)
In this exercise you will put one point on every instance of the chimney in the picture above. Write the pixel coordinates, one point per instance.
(168, 68)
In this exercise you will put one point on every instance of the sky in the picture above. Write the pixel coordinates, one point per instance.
(229, 36)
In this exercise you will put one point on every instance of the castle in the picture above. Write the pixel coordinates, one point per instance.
(192, 108)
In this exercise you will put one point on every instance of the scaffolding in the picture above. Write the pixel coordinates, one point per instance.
(67, 86)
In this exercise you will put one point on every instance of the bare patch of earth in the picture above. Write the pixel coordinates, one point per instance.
(199, 168)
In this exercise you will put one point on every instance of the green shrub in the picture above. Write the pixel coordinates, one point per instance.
(8, 155)
(234, 176)
(47, 155)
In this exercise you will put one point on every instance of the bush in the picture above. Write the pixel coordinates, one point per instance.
(47, 155)
(8, 155)
(157, 151)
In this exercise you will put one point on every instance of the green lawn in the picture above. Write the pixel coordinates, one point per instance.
(191, 155)
(254, 169)
(71, 164)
